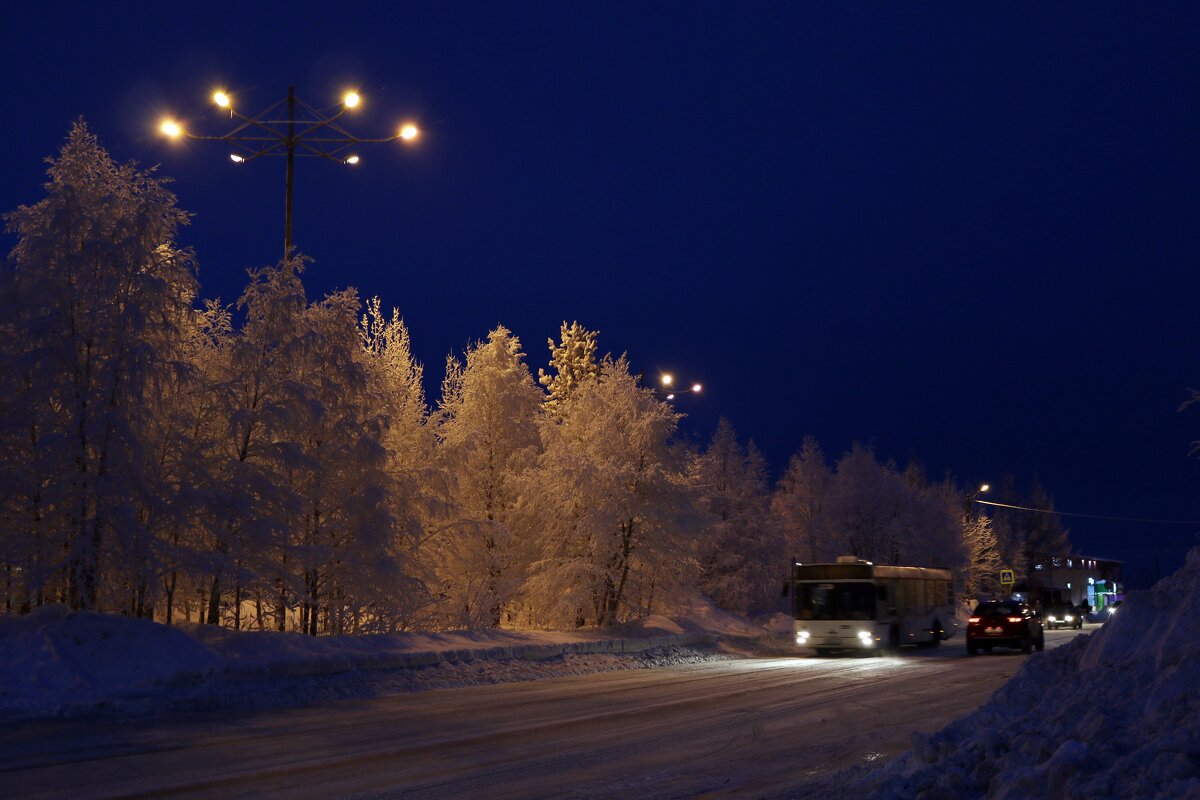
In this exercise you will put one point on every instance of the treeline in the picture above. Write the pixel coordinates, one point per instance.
(276, 464)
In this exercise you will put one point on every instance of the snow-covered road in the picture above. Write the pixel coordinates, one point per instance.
(746, 727)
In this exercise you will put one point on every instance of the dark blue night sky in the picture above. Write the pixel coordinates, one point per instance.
(967, 236)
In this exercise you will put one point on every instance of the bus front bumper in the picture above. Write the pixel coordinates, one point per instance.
(863, 639)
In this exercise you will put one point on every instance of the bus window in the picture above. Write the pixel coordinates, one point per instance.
(835, 601)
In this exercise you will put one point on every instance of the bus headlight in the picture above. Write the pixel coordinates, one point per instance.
(802, 637)
(865, 637)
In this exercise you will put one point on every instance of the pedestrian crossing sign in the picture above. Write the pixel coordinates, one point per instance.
(1006, 577)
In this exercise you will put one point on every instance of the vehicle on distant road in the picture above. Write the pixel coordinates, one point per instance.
(855, 605)
(1064, 615)
(1000, 623)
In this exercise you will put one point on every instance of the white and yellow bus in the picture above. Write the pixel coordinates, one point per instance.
(857, 605)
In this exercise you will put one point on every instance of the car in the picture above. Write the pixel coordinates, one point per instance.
(1004, 623)
(1064, 615)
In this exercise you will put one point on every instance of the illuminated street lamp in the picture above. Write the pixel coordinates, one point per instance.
(973, 497)
(289, 128)
(668, 381)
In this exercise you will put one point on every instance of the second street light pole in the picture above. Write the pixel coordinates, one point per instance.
(291, 162)
(313, 134)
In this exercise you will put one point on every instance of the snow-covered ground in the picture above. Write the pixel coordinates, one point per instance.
(54, 663)
(1115, 714)
(1112, 715)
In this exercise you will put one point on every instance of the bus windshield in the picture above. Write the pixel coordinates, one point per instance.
(835, 601)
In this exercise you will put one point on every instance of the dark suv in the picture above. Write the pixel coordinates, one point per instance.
(1004, 623)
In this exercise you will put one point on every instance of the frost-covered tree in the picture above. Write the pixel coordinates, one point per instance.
(797, 503)
(302, 517)
(416, 483)
(862, 512)
(251, 546)
(574, 362)
(876, 512)
(95, 291)
(399, 379)
(1006, 524)
(981, 573)
(487, 431)
(345, 524)
(740, 557)
(934, 524)
(1046, 542)
(185, 425)
(605, 503)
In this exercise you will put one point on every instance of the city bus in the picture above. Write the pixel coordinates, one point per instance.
(860, 606)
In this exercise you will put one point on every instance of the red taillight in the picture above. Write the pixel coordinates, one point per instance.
(1014, 619)
(974, 619)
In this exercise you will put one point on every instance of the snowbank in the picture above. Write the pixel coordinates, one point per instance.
(56, 663)
(1111, 715)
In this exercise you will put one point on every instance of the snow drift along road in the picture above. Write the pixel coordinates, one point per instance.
(58, 663)
(1115, 714)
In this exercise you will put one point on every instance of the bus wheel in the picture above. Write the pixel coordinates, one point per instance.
(893, 644)
(937, 633)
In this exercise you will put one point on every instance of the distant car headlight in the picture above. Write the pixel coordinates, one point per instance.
(1068, 618)
(1053, 618)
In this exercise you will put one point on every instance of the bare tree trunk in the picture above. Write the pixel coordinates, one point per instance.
(169, 588)
(214, 602)
(280, 606)
(311, 579)
(237, 600)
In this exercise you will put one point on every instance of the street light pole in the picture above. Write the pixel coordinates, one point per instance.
(291, 166)
(313, 133)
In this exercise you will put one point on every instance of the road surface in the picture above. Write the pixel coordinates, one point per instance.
(741, 728)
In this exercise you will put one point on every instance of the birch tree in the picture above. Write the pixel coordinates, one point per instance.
(606, 503)
(417, 488)
(740, 558)
(96, 289)
(982, 570)
(797, 503)
(487, 431)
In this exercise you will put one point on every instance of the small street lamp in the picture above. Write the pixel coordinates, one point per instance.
(289, 128)
(973, 497)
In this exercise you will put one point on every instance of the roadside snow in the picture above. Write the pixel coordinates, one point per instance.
(54, 663)
(1112, 715)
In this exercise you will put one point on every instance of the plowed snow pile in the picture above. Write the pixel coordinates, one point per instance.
(1111, 715)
